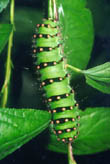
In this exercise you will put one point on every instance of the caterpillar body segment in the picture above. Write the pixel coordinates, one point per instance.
(55, 80)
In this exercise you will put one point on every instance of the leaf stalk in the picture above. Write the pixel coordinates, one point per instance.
(77, 70)
(5, 87)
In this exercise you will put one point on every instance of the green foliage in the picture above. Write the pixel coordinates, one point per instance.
(74, 4)
(94, 133)
(78, 32)
(3, 4)
(5, 30)
(99, 77)
(21, 125)
(18, 126)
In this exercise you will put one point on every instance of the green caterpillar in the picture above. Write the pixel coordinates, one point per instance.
(50, 64)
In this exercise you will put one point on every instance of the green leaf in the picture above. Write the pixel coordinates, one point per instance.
(3, 4)
(78, 32)
(5, 30)
(99, 77)
(18, 126)
(94, 133)
(74, 3)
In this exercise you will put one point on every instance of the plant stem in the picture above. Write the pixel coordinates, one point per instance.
(77, 70)
(70, 155)
(52, 10)
(50, 14)
(5, 88)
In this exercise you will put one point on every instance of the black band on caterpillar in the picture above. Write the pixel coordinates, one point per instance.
(41, 49)
(44, 35)
(56, 98)
(61, 109)
(48, 64)
(50, 81)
